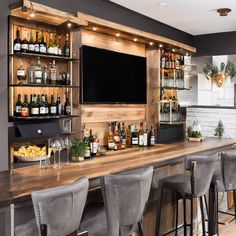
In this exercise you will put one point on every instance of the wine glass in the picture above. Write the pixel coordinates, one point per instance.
(58, 147)
(68, 144)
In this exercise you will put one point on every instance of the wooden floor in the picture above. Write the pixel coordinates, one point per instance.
(228, 230)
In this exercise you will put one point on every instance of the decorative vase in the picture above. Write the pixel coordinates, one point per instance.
(219, 79)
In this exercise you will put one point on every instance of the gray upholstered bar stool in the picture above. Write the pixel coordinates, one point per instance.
(188, 186)
(125, 196)
(58, 211)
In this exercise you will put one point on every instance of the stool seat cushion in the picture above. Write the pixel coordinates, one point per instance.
(28, 229)
(180, 183)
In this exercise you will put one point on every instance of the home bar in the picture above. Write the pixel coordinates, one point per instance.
(117, 118)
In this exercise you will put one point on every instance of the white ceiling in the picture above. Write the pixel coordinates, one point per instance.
(192, 16)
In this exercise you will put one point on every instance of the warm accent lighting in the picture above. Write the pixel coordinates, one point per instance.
(151, 43)
(135, 39)
(186, 54)
(69, 24)
(224, 11)
(117, 34)
(32, 11)
(160, 45)
(173, 50)
(94, 28)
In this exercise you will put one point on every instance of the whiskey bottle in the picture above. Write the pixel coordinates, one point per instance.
(42, 45)
(140, 135)
(50, 49)
(53, 107)
(25, 107)
(116, 136)
(55, 45)
(21, 73)
(36, 43)
(67, 47)
(31, 43)
(17, 42)
(151, 137)
(58, 105)
(134, 136)
(25, 43)
(34, 107)
(18, 106)
(67, 106)
(163, 59)
(53, 73)
(110, 139)
(38, 74)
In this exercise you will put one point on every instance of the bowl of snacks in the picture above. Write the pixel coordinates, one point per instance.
(31, 153)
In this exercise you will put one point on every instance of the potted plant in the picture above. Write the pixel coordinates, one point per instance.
(219, 130)
(78, 150)
(194, 132)
(219, 74)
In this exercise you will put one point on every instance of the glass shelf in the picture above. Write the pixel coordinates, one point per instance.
(19, 118)
(44, 85)
(25, 54)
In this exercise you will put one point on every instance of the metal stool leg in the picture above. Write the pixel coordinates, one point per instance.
(203, 217)
(234, 193)
(191, 217)
(185, 222)
(158, 224)
(176, 213)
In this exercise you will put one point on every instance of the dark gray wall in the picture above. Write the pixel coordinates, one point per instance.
(216, 44)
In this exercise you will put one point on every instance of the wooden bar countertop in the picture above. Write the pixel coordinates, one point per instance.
(18, 186)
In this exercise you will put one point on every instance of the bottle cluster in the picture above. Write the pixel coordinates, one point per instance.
(40, 74)
(38, 44)
(39, 106)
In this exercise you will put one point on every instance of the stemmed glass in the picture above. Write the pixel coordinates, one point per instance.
(56, 146)
(68, 144)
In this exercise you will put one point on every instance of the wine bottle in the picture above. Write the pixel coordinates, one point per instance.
(145, 136)
(93, 144)
(67, 106)
(110, 139)
(87, 154)
(25, 43)
(18, 106)
(50, 49)
(17, 42)
(67, 47)
(25, 107)
(53, 73)
(53, 107)
(31, 43)
(123, 136)
(55, 45)
(134, 136)
(140, 135)
(151, 137)
(36, 43)
(59, 46)
(46, 105)
(42, 45)
(38, 74)
(21, 73)
(41, 105)
(58, 105)
(116, 137)
(34, 107)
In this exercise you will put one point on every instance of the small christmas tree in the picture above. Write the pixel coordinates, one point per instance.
(219, 130)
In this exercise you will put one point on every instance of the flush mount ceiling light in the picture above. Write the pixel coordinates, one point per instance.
(223, 11)
(162, 4)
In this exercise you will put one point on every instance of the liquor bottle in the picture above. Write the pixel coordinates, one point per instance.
(31, 73)
(53, 107)
(86, 141)
(177, 63)
(123, 136)
(21, 73)
(46, 105)
(110, 139)
(50, 49)
(67, 106)
(17, 42)
(25, 43)
(31, 43)
(134, 136)
(41, 105)
(25, 107)
(18, 106)
(128, 137)
(140, 135)
(34, 107)
(45, 75)
(58, 105)
(163, 59)
(67, 47)
(93, 144)
(53, 73)
(36, 43)
(116, 137)
(55, 45)
(42, 45)
(145, 136)
(151, 137)
(59, 46)
(38, 74)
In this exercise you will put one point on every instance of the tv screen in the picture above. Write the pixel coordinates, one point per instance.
(112, 77)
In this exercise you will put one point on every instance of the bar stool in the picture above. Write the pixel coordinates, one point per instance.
(194, 185)
(125, 196)
(58, 211)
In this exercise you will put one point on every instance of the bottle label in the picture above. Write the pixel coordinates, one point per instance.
(152, 140)
(38, 80)
(24, 111)
(140, 140)
(94, 147)
(50, 50)
(17, 47)
(55, 50)
(68, 110)
(24, 46)
(31, 47)
(20, 73)
(53, 110)
(42, 110)
(46, 110)
(42, 48)
(18, 109)
(38, 74)
(145, 139)
(36, 47)
(134, 141)
(59, 51)
(116, 138)
(123, 141)
(67, 52)
(59, 109)
(34, 110)
(87, 153)
(111, 144)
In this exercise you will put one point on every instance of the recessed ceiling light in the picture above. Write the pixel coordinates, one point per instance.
(151, 43)
(135, 39)
(117, 35)
(94, 28)
(162, 4)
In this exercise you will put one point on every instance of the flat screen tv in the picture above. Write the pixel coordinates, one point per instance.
(109, 77)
